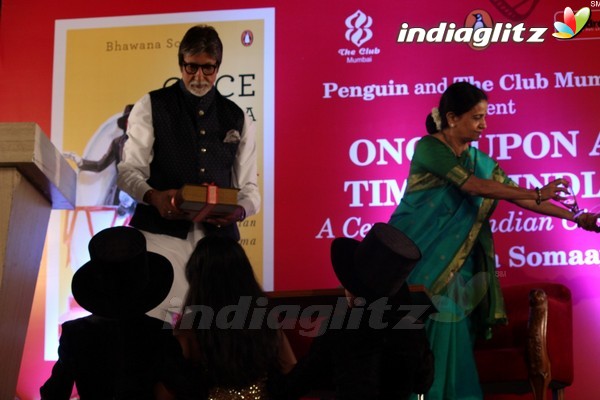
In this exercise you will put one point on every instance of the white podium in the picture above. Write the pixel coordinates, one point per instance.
(34, 178)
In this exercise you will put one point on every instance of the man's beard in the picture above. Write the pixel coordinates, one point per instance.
(199, 88)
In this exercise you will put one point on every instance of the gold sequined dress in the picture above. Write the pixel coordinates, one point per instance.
(256, 391)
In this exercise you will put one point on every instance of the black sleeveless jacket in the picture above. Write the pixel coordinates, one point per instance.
(189, 147)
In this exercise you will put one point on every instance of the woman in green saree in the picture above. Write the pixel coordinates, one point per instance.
(452, 191)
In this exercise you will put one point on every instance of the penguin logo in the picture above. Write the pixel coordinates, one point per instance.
(478, 19)
(247, 38)
(479, 23)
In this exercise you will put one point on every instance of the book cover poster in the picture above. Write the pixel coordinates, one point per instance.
(102, 67)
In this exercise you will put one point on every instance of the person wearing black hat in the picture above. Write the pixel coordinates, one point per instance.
(385, 355)
(118, 352)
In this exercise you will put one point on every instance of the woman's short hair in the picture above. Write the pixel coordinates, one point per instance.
(459, 98)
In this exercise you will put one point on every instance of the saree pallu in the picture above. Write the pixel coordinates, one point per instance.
(452, 230)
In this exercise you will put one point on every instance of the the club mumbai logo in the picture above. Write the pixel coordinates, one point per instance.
(572, 23)
(359, 28)
(478, 31)
(358, 32)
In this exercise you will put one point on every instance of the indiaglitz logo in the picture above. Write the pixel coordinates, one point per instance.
(475, 32)
(573, 23)
(358, 32)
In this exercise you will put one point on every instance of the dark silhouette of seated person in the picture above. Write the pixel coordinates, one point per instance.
(237, 362)
(380, 352)
(118, 352)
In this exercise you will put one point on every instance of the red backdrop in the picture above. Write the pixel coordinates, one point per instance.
(341, 157)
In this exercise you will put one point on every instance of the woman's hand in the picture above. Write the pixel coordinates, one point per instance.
(555, 190)
(588, 222)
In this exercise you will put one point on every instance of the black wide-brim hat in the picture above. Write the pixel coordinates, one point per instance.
(378, 265)
(122, 279)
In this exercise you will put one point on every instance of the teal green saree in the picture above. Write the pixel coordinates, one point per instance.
(457, 267)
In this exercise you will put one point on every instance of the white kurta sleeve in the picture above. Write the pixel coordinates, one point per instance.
(244, 172)
(134, 168)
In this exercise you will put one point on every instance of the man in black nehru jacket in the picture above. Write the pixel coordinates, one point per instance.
(187, 133)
